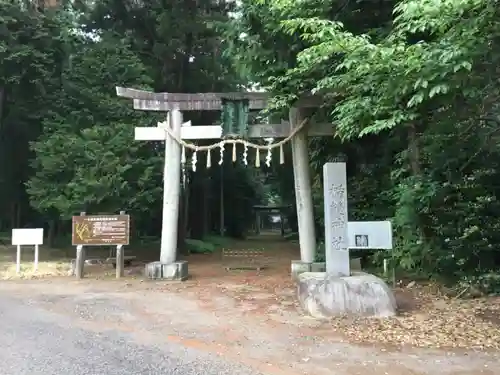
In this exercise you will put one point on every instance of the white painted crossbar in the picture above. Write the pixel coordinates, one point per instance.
(280, 130)
(187, 132)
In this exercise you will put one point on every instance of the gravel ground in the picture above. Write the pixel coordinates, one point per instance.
(107, 327)
(37, 341)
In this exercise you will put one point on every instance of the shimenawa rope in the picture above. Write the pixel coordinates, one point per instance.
(195, 148)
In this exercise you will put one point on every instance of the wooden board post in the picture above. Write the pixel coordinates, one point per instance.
(80, 258)
(120, 260)
(35, 265)
(98, 230)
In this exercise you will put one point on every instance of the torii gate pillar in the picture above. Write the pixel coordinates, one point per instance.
(176, 102)
(168, 267)
(303, 193)
(171, 191)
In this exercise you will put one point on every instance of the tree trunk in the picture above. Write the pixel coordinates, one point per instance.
(2, 101)
(414, 150)
(424, 221)
(13, 215)
(196, 210)
(183, 217)
(52, 233)
(207, 212)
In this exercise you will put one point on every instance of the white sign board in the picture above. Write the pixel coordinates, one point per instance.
(27, 236)
(370, 234)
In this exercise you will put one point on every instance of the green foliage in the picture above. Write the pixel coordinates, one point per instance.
(32, 53)
(199, 247)
(389, 82)
(416, 114)
(176, 41)
(294, 236)
(320, 252)
(218, 241)
(487, 283)
(245, 190)
(208, 245)
(411, 86)
(181, 51)
(86, 158)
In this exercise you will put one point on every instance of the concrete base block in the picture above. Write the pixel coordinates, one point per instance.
(318, 267)
(173, 271)
(299, 267)
(361, 294)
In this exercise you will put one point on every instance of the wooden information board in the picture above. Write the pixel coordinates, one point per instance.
(95, 230)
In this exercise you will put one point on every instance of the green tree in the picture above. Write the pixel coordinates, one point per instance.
(86, 159)
(419, 89)
(179, 45)
(32, 53)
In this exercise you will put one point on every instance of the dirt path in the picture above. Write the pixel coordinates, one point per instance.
(279, 343)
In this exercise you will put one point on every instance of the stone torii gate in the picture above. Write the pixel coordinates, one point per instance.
(175, 103)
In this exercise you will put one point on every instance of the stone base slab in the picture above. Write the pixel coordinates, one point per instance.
(299, 267)
(172, 271)
(361, 294)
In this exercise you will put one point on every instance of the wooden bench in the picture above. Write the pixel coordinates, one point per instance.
(127, 260)
(243, 259)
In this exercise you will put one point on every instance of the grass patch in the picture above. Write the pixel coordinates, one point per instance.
(218, 241)
(52, 262)
(199, 246)
(208, 245)
(294, 236)
(45, 269)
